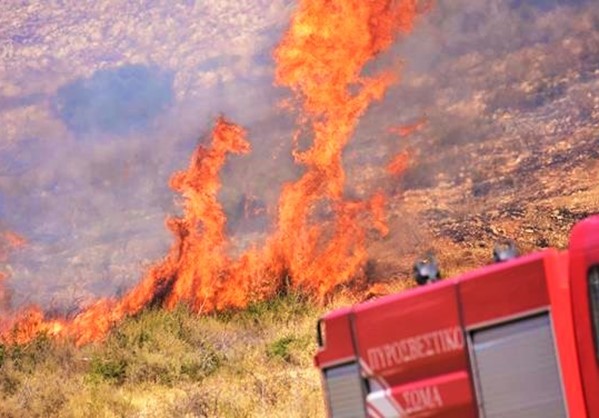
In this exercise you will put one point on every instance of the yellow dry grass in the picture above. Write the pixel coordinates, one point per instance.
(255, 363)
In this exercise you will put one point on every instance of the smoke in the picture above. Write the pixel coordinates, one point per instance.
(522, 73)
(98, 116)
(93, 131)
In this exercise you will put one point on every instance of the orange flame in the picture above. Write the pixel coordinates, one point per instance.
(399, 164)
(9, 241)
(407, 130)
(319, 240)
(321, 59)
(197, 269)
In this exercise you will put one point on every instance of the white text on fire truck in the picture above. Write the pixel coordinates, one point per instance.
(415, 348)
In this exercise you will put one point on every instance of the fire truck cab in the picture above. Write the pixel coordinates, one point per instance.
(519, 338)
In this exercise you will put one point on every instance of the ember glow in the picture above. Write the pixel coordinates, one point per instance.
(399, 164)
(319, 240)
(9, 242)
(406, 130)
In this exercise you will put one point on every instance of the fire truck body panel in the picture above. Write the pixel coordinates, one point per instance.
(500, 291)
(449, 395)
(560, 295)
(509, 327)
(338, 329)
(420, 367)
(432, 345)
(584, 273)
(500, 341)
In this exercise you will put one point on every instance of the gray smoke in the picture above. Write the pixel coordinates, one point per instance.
(100, 106)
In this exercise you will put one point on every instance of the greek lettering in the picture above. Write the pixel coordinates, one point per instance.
(415, 348)
(422, 399)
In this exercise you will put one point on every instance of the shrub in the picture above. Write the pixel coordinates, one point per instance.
(280, 348)
(108, 369)
(156, 347)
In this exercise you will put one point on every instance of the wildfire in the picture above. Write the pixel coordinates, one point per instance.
(321, 59)
(197, 269)
(319, 239)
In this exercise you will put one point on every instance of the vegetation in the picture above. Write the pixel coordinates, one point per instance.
(256, 362)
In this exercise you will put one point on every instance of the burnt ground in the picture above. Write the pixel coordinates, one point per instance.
(462, 220)
(510, 151)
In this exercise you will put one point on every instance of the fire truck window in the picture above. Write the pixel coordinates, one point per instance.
(594, 296)
(321, 333)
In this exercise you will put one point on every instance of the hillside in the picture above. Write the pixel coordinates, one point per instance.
(483, 125)
(258, 361)
(165, 364)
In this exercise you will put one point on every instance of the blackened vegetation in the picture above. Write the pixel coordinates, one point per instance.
(536, 228)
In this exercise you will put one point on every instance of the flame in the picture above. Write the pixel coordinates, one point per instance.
(399, 164)
(319, 238)
(407, 130)
(29, 322)
(321, 59)
(14, 240)
(9, 241)
(196, 270)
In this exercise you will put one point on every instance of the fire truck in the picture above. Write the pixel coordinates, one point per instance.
(516, 338)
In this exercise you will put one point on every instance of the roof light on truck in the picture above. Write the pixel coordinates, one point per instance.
(426, 270)
(320, 333)
(519, 338)
(504, 251)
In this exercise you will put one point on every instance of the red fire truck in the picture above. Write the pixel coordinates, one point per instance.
(518, 338)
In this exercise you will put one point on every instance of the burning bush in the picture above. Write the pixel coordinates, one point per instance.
(307, 251)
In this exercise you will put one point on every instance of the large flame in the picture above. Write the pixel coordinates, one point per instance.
(321, 59)
(319, 240)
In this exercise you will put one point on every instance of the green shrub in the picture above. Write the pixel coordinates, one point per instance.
(108, 369)
(283, 309)
(156, 347)
(280, 348)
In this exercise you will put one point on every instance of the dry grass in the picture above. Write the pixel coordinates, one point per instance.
(164, 364)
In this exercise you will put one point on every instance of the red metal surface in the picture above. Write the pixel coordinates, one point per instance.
(584, 253)
(337, 339)
(416, 339)
(504, 289)
(411, 335)
(558, 285)
(448, 396)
